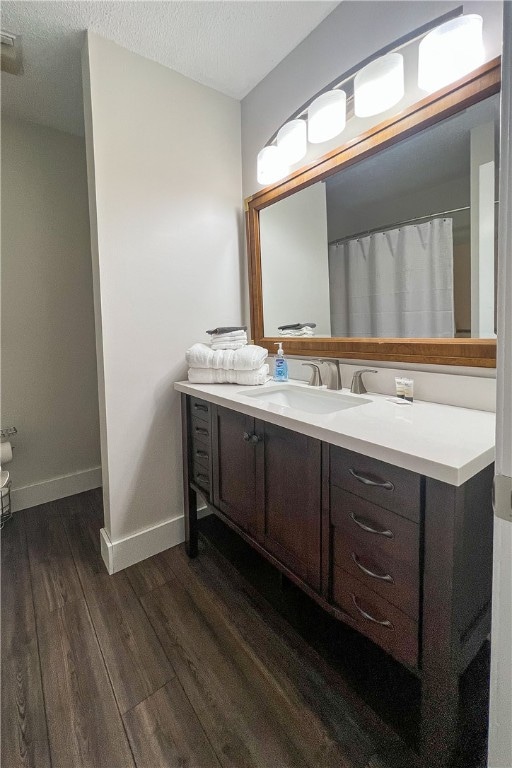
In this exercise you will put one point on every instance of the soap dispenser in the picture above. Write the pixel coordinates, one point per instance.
(280, 364)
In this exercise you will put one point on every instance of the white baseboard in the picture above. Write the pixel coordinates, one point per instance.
(129, 550)
(55, 488)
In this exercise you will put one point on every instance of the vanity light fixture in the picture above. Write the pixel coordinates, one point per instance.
(271, 166)
(379, 85)
(291, 141)
(446, 53)
(450, 51)
(327, 116)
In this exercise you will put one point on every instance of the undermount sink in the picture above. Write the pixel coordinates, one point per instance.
(308, 400)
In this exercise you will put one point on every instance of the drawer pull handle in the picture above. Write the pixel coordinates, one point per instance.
(203, 478)
(369, 529)
(200, 407)
(201, 454)
(387, 484)
(251, 438)
(202, 431)
(385, 623)
(383, 577)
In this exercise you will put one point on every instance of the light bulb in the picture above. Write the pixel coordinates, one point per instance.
(291, 141)
(450, 51)
(379, 85)
(327, 116)
(270, 165)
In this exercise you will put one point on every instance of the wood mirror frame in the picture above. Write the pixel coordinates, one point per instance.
(479, 85)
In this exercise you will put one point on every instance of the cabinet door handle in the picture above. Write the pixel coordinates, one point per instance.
(384, 623)
(200, 407)
(387, 484)
(201, 454)
(383, 577)
(202, 431)
(369, 529)
(251, 438)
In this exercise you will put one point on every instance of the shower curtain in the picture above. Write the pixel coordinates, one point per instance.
(394, 284)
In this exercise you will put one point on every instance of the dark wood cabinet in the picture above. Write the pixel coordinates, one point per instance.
(234, 468)
(267, 480)
(289, 484)
(404, 559)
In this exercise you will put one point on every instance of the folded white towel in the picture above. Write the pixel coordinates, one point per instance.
(228, 345)
(220, 376)
(307, 331)
(231, 336)
(229, 340)
(248, 358)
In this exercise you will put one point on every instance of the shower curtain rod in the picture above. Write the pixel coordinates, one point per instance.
(400, 224)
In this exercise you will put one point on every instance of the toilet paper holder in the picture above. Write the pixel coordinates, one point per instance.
(5, 483)
(5, 499)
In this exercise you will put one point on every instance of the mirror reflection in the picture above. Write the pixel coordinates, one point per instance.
(399, 245)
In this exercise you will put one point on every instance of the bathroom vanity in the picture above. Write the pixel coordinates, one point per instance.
(380, 512)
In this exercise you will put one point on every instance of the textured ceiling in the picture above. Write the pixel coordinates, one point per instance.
(229, 46)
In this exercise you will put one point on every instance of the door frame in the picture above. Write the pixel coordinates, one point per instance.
(500, 711)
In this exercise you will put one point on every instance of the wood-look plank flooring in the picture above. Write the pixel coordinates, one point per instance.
(170, 664)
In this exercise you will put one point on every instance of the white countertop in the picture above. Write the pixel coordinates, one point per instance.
(440, 441)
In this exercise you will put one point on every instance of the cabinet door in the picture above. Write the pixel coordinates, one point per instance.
(234, 464)
(290, 481)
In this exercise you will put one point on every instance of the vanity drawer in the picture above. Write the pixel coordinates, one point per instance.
(384, 484)
(200, 431)
(201, 476)
(394, 580)
(200, 408)
(374, 617)
(375, 528)
(201, 455)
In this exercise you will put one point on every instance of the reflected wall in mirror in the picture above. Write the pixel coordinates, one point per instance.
(388, 242)
(399, 245)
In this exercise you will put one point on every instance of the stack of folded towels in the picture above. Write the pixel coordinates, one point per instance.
(297, 329)
(228, 338)
(228, 359)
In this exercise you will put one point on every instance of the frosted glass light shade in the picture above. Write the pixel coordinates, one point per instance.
(291, 141)
(270, 165)
(450, 51)
(327, 116)
(379, 85)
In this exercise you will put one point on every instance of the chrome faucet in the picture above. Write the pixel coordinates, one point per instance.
(334, 379)
(316, 379)
(358, 387)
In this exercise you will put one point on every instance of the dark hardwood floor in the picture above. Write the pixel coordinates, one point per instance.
(212, 663)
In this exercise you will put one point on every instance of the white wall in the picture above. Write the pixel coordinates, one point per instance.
(49, 389)
(165, 174)
(294, 264)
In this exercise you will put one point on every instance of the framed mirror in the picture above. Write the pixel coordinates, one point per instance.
(387, 245)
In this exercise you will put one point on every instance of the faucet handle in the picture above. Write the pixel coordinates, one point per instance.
(358, 387)
(316, 379)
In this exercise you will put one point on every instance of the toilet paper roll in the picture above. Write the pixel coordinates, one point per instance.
(5, 453)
